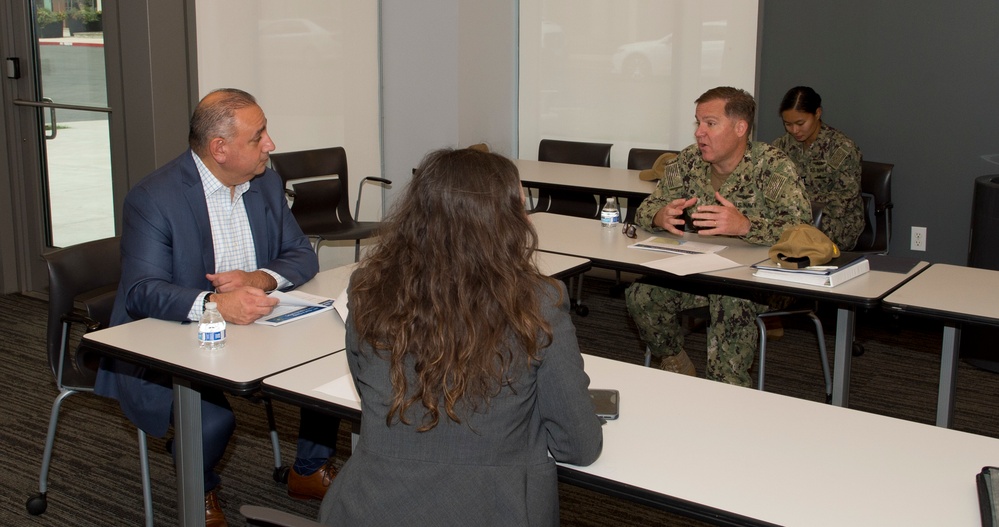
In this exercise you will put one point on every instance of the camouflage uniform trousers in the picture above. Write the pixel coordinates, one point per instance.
(732, 336)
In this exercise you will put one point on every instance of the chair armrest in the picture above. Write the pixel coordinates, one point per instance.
(91, 324)
(378, 179)
(267, 517)
(360, 189)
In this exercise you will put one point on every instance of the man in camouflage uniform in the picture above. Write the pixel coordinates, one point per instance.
(727, 186)
(830, 168)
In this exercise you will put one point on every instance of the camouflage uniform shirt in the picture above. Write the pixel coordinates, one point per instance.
(764, 186)
(830, 168)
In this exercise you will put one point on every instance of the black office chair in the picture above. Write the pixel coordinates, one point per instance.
(875, 189)
(567, 202)
(321, 202)
(87, 273)
(643, 158)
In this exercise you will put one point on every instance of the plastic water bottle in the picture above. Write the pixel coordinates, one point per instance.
(610, 215)
(211, 328)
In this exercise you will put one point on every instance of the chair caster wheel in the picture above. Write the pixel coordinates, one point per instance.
(281, 474)
(37, 504)
(582, 310)
(858, 349)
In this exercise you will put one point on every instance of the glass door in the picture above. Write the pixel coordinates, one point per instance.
(66, 61)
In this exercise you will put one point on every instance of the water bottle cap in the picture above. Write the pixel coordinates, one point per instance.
(211, 305)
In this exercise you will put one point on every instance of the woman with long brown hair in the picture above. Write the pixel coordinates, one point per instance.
(465, 359)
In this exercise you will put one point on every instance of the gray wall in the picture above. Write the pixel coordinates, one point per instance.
(448, 79)
(914, 83)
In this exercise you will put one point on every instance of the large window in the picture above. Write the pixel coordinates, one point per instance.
(627, 71)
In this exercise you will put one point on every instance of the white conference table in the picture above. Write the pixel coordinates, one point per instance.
(251, 353)
(733, 456)
(599, 180)
(608, 248)
(956, 295)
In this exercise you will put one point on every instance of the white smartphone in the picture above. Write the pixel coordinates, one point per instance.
(606, 403)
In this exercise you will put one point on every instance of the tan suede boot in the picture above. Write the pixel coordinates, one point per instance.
(775, 329)
(679, 363)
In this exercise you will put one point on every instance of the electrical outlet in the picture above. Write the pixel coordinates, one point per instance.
(918, 242)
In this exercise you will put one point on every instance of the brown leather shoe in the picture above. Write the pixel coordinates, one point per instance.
(213, 511)
(313, 486)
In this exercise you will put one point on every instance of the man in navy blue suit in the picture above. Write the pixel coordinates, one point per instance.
(213, 225)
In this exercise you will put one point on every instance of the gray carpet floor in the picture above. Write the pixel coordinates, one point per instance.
(94, 479)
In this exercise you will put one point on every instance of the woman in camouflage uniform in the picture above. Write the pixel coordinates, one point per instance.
(829, 164)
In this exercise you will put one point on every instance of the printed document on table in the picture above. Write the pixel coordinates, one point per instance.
(692, 264)
(676, 246)
(295, 305)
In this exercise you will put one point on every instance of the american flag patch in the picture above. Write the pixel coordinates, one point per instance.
(775, 186)
(838, 157)
(671, 175)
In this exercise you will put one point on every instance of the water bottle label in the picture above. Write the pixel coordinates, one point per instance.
(211, 336)
(610, 217)
(211, 333)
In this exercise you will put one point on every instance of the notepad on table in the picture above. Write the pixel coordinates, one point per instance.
(295, 305)
(676, 246)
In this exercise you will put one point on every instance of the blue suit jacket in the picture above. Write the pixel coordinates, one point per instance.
(166, 251)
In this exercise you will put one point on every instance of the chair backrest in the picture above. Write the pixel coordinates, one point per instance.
(319, 205)
(644, 158)
(575, 152)
(568, 202)
(875, 189)
(86, 273)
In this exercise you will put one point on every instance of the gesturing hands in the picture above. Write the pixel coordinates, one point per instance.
(710, 220)
(670, 217)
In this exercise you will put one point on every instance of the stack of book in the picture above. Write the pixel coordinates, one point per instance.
(845, 267)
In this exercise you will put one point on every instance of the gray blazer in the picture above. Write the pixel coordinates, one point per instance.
(493, 469)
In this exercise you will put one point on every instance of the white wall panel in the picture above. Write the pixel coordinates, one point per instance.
(313, 66)
(627, 72)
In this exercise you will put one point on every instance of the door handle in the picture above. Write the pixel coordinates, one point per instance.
(52, 117)
(47, 102)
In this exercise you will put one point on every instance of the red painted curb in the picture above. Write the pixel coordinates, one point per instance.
(58, 43)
